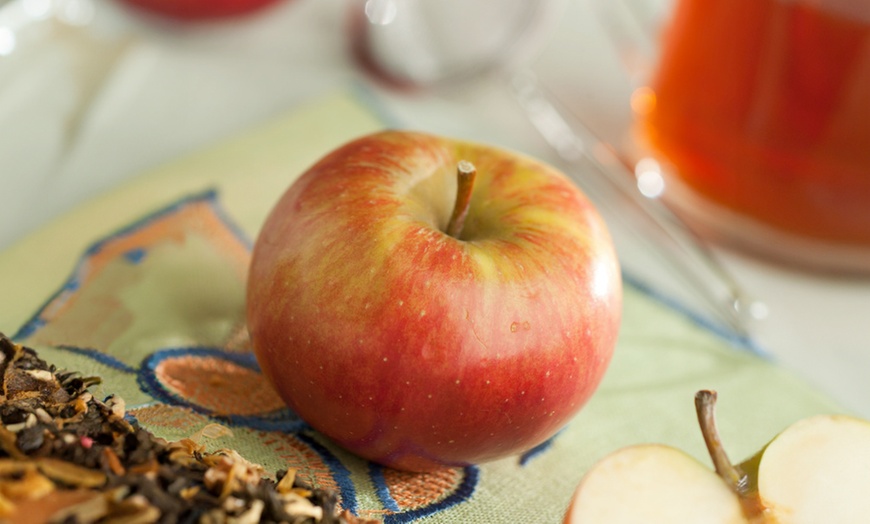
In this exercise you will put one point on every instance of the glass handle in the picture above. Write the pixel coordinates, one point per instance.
(608, 182)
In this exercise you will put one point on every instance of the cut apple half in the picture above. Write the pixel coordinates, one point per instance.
(817, 470)
(653, 483)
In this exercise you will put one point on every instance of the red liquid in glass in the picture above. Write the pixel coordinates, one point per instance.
(763, 106)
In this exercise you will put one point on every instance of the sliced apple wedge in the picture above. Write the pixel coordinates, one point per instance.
(652, 483)
(817, 470)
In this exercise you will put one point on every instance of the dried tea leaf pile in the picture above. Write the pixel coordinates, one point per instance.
(66, 456)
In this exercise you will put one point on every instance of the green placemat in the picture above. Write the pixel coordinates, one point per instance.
(145, 287)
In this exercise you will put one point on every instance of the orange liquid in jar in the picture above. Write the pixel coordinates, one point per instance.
(763, 106)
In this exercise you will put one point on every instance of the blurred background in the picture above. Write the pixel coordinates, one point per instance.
(93, 93)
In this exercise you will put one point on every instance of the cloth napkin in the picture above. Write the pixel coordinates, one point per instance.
(144, 287)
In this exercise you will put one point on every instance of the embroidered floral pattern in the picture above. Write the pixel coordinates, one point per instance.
(161, 303)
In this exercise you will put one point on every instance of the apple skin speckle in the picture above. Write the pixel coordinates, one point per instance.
(525, 304)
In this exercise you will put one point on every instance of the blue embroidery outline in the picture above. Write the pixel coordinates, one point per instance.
(103, 358)
(376, 474)
(462, 493)
(538, 450)
(339, 471)
(283, 420)
(73, 282)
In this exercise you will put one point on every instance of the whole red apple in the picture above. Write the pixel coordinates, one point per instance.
(414, 348)
(199, 9)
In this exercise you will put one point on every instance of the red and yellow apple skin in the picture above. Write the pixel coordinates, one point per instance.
(415, 349)
(192, 10)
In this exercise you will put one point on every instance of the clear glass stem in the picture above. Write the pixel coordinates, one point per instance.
(605, 178)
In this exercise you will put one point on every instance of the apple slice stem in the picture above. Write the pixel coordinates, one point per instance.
(737, 479)
(705, 406)
(465, 175)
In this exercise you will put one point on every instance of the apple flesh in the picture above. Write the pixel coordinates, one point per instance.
(653, 484)
(814, 471)
(817, 470)
(417, 349)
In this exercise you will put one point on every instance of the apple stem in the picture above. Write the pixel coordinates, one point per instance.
(705, 406)
(734, 476)
(465, 175)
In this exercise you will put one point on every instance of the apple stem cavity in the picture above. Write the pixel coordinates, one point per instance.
(736, 478)
(465, 175)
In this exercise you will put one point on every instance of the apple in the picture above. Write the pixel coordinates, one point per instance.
(653, 483)
(816, 470)
(424, 301)
(192, 10)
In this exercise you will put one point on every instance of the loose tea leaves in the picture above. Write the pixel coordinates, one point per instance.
(66, 456)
